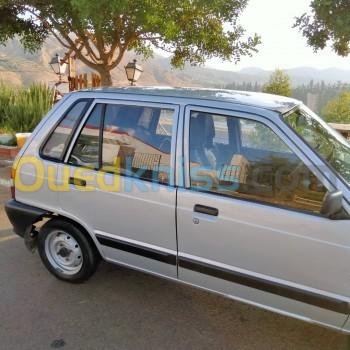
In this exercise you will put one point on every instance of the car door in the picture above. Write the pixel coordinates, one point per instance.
(121, 183)
(51, 154)
(249, 222)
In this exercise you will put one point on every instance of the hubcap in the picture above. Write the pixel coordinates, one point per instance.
(63, 252)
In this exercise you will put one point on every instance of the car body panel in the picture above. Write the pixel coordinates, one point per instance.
(158, 232)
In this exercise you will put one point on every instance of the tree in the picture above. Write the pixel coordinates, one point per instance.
(338, 110)
(100, 32)
(279, 84)
(329, 22)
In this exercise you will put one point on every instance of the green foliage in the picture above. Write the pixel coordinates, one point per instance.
(322, 92)
(100, 32)
(5, 96)
(26, 107)
(338, 110)
(329, 22)
(279, 84)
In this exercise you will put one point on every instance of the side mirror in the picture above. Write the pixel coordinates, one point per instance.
(333, 206)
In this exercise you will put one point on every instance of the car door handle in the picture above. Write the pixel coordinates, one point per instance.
(198, 208)
(77, 182)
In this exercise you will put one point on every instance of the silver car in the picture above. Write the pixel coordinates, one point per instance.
(243, 194)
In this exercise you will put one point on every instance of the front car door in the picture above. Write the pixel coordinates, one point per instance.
(122, 184)
(249, 222)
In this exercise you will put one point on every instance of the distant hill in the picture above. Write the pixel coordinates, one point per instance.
(20, 68)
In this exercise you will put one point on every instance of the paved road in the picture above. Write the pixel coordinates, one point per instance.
(123, 309)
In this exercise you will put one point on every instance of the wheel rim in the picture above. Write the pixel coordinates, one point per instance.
(63, 252)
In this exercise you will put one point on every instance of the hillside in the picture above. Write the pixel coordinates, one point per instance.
(20, 68)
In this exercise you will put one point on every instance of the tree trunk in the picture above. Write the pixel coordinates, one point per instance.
(106, 78)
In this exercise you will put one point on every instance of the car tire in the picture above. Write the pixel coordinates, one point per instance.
(67, 252)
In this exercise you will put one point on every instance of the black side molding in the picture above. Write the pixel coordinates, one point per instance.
(303, 296)
(311, 298)
(137, 249)
(23, 216)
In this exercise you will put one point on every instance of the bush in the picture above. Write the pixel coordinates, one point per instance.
(5, 96)
(338, 110)
(26, 107)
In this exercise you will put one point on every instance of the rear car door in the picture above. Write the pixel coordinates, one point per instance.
(52, 152)
(249, 222)
(121, 183)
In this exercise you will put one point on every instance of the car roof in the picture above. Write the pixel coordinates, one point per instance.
(271, 102)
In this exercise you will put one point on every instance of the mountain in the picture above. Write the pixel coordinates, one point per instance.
(20, 68)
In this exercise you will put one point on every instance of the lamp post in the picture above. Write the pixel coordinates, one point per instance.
(59, 68)
(133, 72)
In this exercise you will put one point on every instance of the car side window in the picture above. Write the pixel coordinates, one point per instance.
(133, 144)
(165, 122)
(58, 141)
(257, 136)
(86, 149)
(263, 173)
(221, 131)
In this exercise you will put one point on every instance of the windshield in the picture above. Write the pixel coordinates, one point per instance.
(330, 145)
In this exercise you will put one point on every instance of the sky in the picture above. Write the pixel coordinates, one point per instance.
(282, 46)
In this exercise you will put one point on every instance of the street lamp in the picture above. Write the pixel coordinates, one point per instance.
(58, 66)
(133, 72)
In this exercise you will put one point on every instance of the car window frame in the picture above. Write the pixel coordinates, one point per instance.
(85, 110)
(100, 138)
(125, 102)
(260, 118)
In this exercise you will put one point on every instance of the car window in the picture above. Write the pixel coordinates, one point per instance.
(332, 147)
(165, 122)
(133, 146)
(257, 136)
(221, 130)
(86, 149)
(57, 142)
(261, 173)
